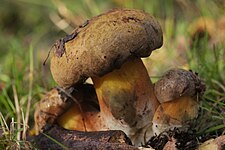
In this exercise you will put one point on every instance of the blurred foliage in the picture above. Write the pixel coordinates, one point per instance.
(27, 25)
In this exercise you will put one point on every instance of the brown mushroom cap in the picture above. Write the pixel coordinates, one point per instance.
(105, 43)
(176, 83)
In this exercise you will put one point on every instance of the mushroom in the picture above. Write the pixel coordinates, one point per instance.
(207, 30)
(178, 92)
(109, 49)
(202, 29)
(54, 103)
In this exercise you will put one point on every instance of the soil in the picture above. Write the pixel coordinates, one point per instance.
(115, 139)
(189, 140)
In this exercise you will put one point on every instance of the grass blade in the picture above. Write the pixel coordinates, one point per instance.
(57, 142)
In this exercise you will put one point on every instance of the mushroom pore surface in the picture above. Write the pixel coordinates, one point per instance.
(105, 43)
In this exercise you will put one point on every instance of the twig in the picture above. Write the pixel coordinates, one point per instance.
(18, 117)
(31, 70)
(11, 131)
(24, 124)
(5, 124)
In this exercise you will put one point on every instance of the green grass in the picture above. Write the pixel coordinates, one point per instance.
(29, 28)
(209, 63)
(55, 141)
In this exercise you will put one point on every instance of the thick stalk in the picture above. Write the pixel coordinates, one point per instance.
(126, 97)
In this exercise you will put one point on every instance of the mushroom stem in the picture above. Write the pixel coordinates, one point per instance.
(178, 92)
(175, 114)
(126, 97)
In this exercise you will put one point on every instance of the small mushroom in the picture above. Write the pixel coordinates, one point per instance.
(178, 92)
(207, 30)
(48, 109)
(55, 102)
(108, 49)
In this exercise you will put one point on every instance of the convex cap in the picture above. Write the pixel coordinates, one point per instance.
(105, 43)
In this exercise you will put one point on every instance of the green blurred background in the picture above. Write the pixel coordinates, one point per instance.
(28, 29)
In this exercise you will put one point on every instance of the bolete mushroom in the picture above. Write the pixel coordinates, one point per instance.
(178, 92)
(108, 49)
